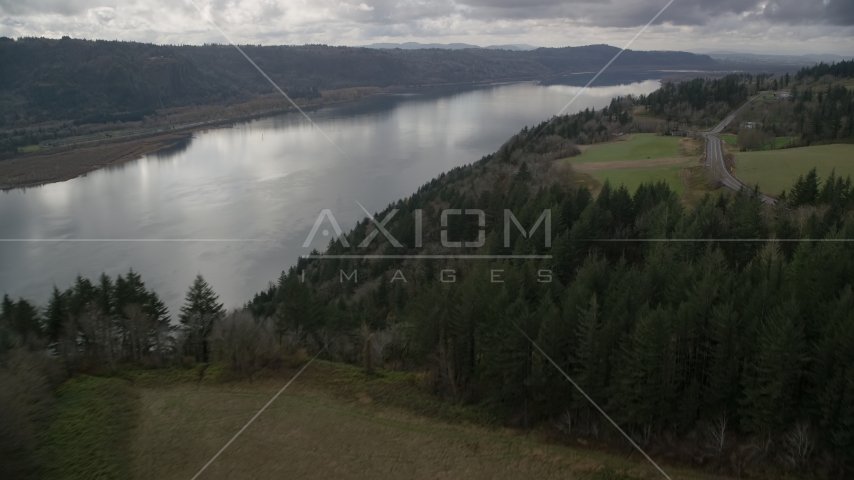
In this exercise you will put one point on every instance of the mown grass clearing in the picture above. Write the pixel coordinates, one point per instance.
(29, 148)
(775, 143)
(633, 177)
(640, 146)
(639, 110)
(776, 170)
(333, 422)
(637, 159)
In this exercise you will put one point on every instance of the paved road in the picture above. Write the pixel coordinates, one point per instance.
(715, 155)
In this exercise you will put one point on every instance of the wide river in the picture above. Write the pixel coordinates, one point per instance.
(236, 204)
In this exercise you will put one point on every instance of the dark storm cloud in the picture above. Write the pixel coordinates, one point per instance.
(836, 12)
(633, 13)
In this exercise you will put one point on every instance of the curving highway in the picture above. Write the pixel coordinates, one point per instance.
(715, 155)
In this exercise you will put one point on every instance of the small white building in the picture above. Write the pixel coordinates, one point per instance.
(748, 124)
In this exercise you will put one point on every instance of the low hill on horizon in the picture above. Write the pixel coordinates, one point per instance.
(450, 46)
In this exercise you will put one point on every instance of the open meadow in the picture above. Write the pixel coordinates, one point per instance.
(639, 158)
(776, 170)
(633, 177)
(332, 422)
(638, 146)
(772, 143)
(730, 139)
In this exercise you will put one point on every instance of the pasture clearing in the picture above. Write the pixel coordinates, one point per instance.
(333, 422)
(777, 170)
(638, 146)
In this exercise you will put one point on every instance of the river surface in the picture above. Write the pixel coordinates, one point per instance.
(236, 204)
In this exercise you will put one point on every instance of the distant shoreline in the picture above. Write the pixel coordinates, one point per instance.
(67, 162)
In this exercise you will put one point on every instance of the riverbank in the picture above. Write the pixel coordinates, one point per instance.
(70, 159)
(42, 169)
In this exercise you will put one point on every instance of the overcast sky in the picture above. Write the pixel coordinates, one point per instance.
(767, 26)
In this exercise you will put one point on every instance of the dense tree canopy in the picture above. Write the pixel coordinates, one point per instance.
(711, 99)
(844, 68)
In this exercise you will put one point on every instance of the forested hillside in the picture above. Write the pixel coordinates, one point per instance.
(46, 79)
(698, 101)
(822, 115)
(817, 109)
(709, 349)
(811, 111)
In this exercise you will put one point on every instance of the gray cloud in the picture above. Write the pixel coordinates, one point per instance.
(607, 13)
(681, 12)
(759, 24)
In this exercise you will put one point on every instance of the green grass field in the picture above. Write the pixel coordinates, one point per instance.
(779, 142)
(29, 148)
(633, 177)
(640, 146)
(332, 422)
(730, 139)
(634, 161)
(776, 170)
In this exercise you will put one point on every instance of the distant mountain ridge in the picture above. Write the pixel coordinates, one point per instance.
(66, 79)
(449, 46)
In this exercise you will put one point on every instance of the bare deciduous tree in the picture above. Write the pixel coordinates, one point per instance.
(799, 444)
(243, 341)
(564, 422)
(718, 432)
(141, 331)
